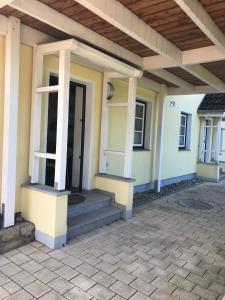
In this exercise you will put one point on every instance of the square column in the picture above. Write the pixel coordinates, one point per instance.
(11, 100)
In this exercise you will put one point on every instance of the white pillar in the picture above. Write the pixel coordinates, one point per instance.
(130, 127)
(35, 125)
(62, 119)
(11, 99)
(218, 138)
(159, 144)
(104, 126)
(202, 139)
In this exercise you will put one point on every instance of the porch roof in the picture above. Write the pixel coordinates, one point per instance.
(179, 43)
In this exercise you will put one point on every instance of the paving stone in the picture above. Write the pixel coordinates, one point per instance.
(52, 296)
(31, 266)
(199, 280)
(52, 264)
(104, 279)
(183, 283)
(106, 267)
(60, 285)
(37, 288)
(218, 288)
(163, 285)
(3, 279)
(58, 254)
(77, 294)
(10, 269)
(91, 259)
(178, 271)
(123, 276)
(3, 260)
(110, 258)
(20, 258)
(143, 287)
(87, 270)
(67, 272)
(23, 278)
(144, 275)
(100, 292)
(27, 249)
(139, 296)
(39, 256)
(71, 261)
(185, 295)
(160, 295)
(45, 275)
(83, 282)
(122, 289)
(205, 293)
(20, 295)
(3, 293)
(11, 287)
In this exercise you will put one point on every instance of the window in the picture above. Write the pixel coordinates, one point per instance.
(183, 131)
(139, 127)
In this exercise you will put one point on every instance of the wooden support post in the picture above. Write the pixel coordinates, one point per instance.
(130, 127)
(35, 131)
(11, 99)
(104, 126)
(62, 119)
(159, 144)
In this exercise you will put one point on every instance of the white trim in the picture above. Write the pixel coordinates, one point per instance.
(11, 102)
(205, 89)
(47, 89)
(45, 155)
(185, 116)
(129, 140)
(3, 25)
(117, 104)
(5, 2)
(62, 119)
(143, 123)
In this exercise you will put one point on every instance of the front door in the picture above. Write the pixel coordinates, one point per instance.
(76, 130)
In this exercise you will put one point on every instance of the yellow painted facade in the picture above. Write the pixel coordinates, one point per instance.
(208, 171)
(177, 162)
(47, 212)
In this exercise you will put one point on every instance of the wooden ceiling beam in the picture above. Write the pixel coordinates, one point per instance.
(173, 79)
(205, 89)
(122, 18)
(5, 2)
(189, 57)
(44, 13)
(203, 20)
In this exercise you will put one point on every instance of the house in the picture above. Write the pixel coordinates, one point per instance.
(105, 103)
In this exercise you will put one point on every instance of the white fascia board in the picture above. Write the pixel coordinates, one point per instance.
(59, 21)
(205, 89)
(149, 84)
(33, 37)
(189, 57)
(5, 2)
(3, 25)
(122, 18)
(203, 20)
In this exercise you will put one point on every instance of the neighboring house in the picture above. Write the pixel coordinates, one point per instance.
(80, 119)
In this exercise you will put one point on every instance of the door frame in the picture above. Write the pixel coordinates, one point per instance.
(89, 127)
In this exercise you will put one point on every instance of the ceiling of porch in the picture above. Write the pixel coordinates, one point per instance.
(173, 22)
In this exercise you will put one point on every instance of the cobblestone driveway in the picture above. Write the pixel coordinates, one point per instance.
(165, 252)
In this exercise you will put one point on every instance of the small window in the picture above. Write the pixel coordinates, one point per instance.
(183, 131)
(139, 126)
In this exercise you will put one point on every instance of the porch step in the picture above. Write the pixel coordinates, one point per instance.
(91, 220)
(93, 201)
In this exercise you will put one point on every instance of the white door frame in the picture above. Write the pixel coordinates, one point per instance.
(89, 120)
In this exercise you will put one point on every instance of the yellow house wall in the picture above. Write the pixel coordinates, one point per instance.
(208, 171)
(177, 162)
(142, 160)
(45, 211)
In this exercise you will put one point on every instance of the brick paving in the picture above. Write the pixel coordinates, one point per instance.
(165, 252)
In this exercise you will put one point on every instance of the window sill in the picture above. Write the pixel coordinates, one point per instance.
(184, 149)
(141, 150)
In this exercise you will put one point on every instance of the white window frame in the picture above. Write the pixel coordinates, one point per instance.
(183, 146)
(143, 104)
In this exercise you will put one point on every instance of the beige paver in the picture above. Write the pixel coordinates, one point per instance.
(166, 252)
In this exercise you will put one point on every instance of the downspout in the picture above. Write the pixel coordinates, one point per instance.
(159, 147)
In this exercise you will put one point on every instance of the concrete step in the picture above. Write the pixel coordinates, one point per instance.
(92, 220)
(93, 201)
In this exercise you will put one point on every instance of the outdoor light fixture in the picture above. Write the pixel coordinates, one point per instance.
(110, 91)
